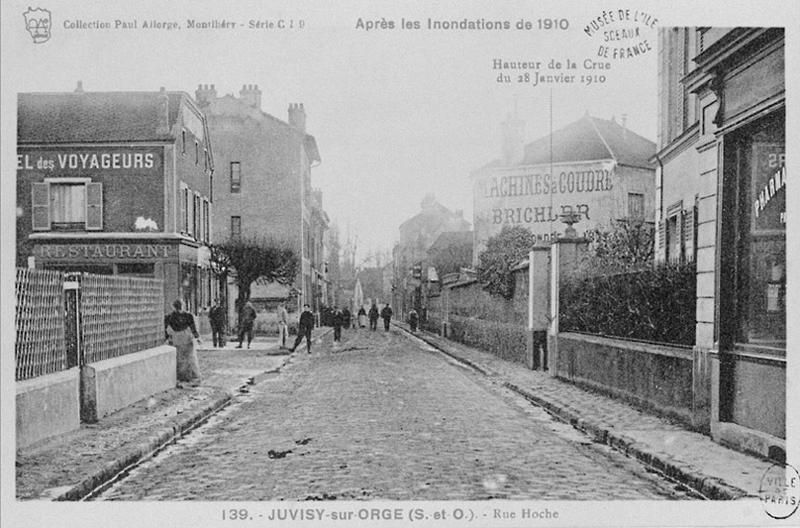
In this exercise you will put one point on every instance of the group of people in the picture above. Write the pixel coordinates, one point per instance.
(180, 330)
(342, 318)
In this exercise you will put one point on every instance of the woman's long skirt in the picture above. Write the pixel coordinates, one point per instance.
(188, 366)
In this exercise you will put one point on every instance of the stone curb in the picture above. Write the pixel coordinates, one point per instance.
(710, 487)
(145, 449)
(165, 437)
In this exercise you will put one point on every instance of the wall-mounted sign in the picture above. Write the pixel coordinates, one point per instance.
(104, 251)
(769, 186)
(71, 161)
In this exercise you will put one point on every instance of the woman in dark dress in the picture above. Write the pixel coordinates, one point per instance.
(181, 332)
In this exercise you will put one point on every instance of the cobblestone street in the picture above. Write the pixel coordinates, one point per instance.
(381, 416)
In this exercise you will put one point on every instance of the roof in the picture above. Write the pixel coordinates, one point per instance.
(221, 106)
(452, 238)
(591, 138)
(78, 117)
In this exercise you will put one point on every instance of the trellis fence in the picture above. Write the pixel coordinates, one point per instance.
(40, 346)
(120, 315)
(63, 321)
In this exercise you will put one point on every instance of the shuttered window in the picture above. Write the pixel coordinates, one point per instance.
(67, 205)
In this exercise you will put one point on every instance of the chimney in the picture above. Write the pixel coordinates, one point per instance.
(624, 126)
(297, 116)
(79, 88)
(163, 112)
(251, 95)
(513, 131)
(204, 94)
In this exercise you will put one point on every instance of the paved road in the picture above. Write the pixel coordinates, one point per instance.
(381, 417)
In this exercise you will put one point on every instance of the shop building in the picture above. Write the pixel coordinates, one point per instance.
(116, 183)
(721, 202)
(262, 187)
(595, 169)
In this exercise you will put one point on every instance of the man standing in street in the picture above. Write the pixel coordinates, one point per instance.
(386, 314)
(304, 328)
(216, 316)
(413, 319)
(283, 325)
(338, 322)
(246, 319)
(373, 317)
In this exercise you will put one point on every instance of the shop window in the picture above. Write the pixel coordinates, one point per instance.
(236, 177)
(67, 204)
(236, 227)
(762, 258)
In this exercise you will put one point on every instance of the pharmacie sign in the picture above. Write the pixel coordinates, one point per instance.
(87, 160)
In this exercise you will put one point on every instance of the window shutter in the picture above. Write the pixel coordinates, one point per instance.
(661, 241)
(689, 230)
(94, 206)
(40, 206)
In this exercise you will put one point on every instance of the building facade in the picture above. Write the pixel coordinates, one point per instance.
(417, 234)
(117, 183)
(595, 169)
(262, 188)
(721, 202)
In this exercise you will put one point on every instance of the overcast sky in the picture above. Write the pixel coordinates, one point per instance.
(396, 113)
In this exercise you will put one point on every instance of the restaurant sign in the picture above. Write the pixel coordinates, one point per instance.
(104, 251)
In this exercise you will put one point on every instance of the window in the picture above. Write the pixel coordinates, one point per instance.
(196, 221)
(236, 227)
(236, 177)
(67, 204)
(205, 158)
(196, 153)
(183, 142)
(184, 220)
(636, 206)
(206, 221)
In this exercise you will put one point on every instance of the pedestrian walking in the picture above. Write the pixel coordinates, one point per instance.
(386, 315)
(304, 328)
(337, 319)
(346, 317)
(247, 318)
(374, 314)
(413, 319)
(283, 325)
(362, 317)
(216, 317)
(181, 332)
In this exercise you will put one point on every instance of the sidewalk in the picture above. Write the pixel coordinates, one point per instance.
(688, 457)
(71, 466)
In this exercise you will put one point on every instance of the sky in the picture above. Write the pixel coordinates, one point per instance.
(397, 114)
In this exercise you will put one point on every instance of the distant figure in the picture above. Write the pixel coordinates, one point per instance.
(373, 317)
(247, 318)
(179, 330)
(362, 317)
(346, 317)
(304, 328)
(337, 320)
(386, 314)
(413, 319)
(283, 325)
(217, 316)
